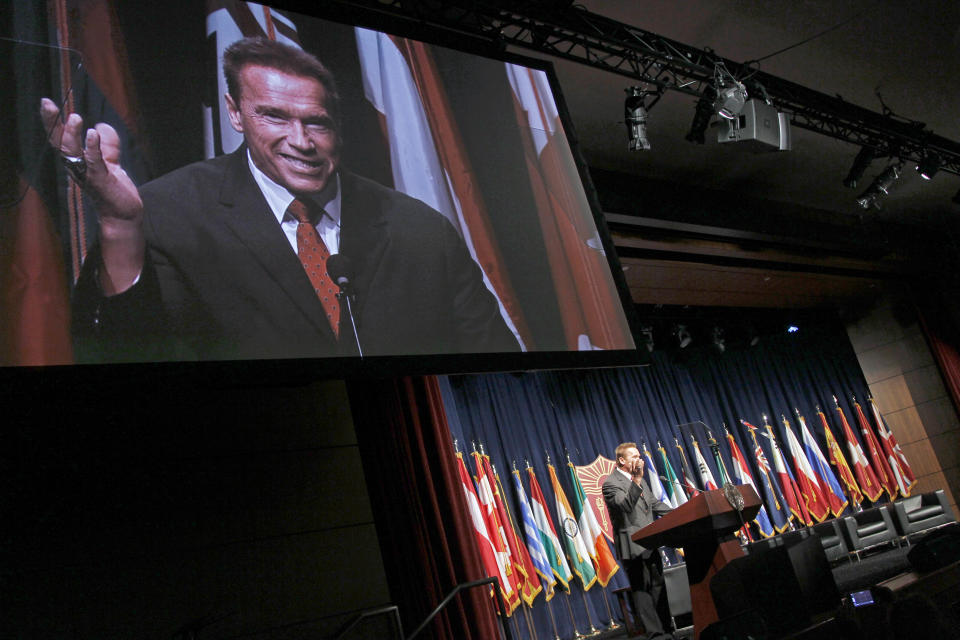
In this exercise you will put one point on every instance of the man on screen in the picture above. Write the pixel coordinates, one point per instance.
(632, 506)
(226, 258)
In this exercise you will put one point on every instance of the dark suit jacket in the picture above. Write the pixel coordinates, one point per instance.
(221, 281)
(630, 510)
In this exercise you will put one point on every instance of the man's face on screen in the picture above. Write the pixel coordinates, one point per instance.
(291, 136)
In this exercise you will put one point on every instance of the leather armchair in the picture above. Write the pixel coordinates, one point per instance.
(926, 511)
(831, 537)
(870, 528)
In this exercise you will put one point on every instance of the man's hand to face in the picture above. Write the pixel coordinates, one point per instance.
(285, 122)
(633, 463)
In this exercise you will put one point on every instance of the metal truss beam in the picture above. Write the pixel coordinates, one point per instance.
(574, 34)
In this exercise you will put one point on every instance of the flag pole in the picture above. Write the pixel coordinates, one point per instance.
(516, 627)
(553, 621)
(593, 630)
(576, 632)
(612, 624)
(530, 627)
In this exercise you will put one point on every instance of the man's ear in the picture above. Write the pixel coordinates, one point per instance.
(233, 110)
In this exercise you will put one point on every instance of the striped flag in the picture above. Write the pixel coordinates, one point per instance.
(573, 536)
(898, 462)
(788, 485)
(807, 480)
(548, 535)
(741, 475)
(688, 479)
(488, 555)
(829, 486)
(879, 464)
(673, 488)
(866, 478)
(653, 479)
(838, 460)
(498, 536)
(777, 508)
(593, 536)
(537, 552)
(706, 477)
(527, 582)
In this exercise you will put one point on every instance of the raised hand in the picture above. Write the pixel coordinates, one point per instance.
(118, 203)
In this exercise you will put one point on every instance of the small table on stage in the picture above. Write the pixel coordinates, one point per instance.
(704, 527)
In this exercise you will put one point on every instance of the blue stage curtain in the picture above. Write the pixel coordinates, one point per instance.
(527, 416)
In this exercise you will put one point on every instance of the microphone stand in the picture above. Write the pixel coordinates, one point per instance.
(344, 295)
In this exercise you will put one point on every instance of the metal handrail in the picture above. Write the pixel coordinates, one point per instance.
(462, 587)
(369, 613)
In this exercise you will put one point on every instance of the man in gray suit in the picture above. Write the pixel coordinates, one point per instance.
(632, 506)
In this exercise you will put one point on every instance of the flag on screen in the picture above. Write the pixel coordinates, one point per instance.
(777, 509)
(653, 479)
(706, 476)
(807, 481)
(528, 585)
(584, 289)
(829, 486)
(537, 553)
(866, 478)
(741, 475)
(548, 535)
(573, 536)
(508, 577)
(488, 555)
(688, 478)
(838, 460)
(674, 487)
(427, 155)
(593, 536)
(898, 462)
(788, 484)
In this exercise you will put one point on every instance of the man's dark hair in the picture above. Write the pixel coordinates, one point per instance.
(268, 53)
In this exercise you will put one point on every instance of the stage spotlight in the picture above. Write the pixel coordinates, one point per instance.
(683, 336)
(701, 118)
(929, 165)
(730, 100)
(880, 186)
(718, 340)
(635, 115)
(646, 333)
(860, 164)
(793, 328)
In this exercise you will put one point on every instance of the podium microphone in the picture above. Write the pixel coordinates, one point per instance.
(340, 270)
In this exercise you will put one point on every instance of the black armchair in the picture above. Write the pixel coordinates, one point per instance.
(834, 545)
(926, 511)
(870, 528)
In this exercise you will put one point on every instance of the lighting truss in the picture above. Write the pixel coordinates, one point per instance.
(575, 34)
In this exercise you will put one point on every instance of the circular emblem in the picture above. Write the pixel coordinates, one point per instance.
(570, 527)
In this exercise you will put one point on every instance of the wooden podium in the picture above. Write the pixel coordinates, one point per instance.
(704, 527)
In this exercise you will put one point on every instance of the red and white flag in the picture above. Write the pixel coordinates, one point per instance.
(791, 492)
(482, 536)
(807, 480)
(898, 462)
(866, 478)
(879, 464)
(498, 536)
(706, 476)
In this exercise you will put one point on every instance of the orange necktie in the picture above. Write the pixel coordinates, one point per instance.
(313, 254)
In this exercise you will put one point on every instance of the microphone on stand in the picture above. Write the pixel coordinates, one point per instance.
(340, 270)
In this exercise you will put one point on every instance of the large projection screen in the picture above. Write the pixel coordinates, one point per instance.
(480, 247)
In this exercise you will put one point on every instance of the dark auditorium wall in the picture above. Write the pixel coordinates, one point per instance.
(133, 508)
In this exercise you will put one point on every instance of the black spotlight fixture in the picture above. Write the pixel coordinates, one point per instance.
(701, 117)
(860, 163)
(880, 186)
(635, 115)
(719, 342)
(929, 165)
(646, 334)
